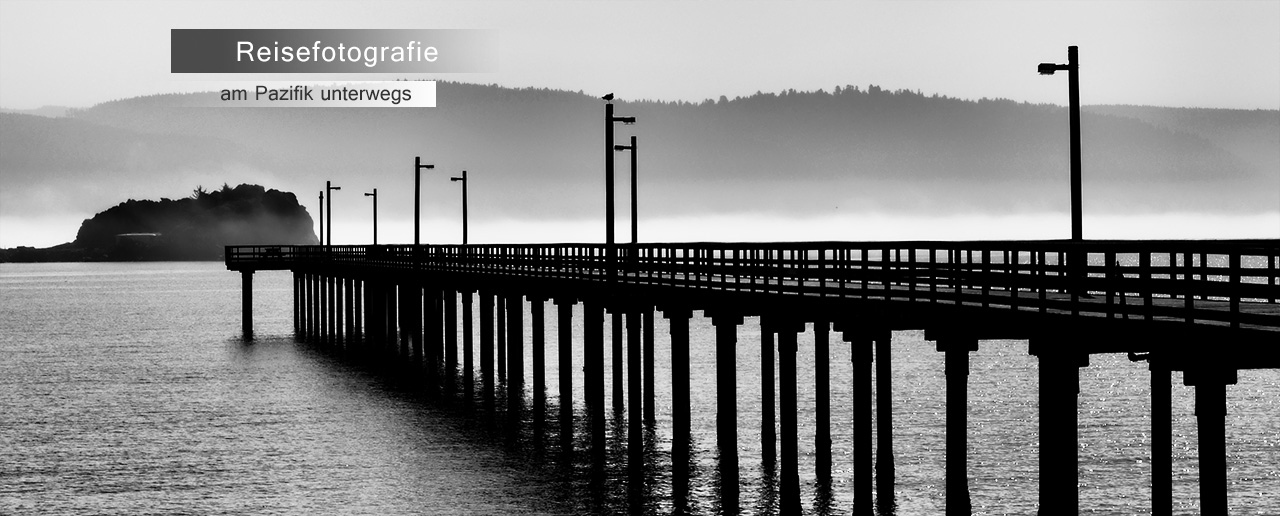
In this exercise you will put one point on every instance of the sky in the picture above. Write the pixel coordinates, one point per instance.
(1170, 53)
(1213, 54)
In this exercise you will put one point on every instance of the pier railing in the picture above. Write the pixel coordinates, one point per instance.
(1234, 283)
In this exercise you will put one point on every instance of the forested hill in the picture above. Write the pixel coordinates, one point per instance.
(536, 153)
(194, 228)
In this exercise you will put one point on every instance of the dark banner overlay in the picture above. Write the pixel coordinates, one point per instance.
(333, 51)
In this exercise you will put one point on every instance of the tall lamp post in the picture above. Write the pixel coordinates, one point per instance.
(464, 204)
(418, 165)
(1073, 81)
(321, 218)
(374, 194)
(634, 219)
(329, 188)
(610, 251)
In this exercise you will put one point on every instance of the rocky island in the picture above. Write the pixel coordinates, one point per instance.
(194, 228)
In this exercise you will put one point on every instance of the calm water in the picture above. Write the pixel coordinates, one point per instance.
(125, 388)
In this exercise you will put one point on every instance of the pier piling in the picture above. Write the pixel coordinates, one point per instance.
(789, 476)
(957, 376)
(397, 306)
(564, 368)
(246, 302)
(1059, 392)
(1210, 382)
(726, 325)
(885, 470)
(1161, 438)
(678, 320)
(768, 432)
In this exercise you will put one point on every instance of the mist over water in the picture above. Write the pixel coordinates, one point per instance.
(126, 389)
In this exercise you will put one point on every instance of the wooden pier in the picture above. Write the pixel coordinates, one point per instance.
(1205, 308)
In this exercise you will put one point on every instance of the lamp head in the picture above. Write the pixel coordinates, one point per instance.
(628, 120)
(1047, 68)
(608, 97)
(371, 194)
(457, 179)
(621, 147)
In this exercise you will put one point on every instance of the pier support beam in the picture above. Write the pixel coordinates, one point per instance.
(349, 288)
(727, 406)
(486, 350)
(1059, 425)
(768, 417)
(357, 296)
(822, 401)
(861, 343)
(501, 307)
(297, 302)
(885, 470)
(538, 342)
(789, 476)
(332, 304)
(246, 303)
(468, 342)
(430, 332)
(564, 368)
(646, 318)
(450, 305)
(616, 329)
(515, 358)
(678, 319)
(1161, 439)
(957, 372)
(1211, 384)
(593, 371)
(635, 426)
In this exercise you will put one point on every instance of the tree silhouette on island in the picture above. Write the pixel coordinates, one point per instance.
(194, 228)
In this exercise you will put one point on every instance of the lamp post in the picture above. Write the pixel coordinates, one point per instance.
(634, 219)
(464, 204)
(321, 218)
(328, 187)
(610, 251)
(418, 165)
(374, 194)
(1073, 81)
